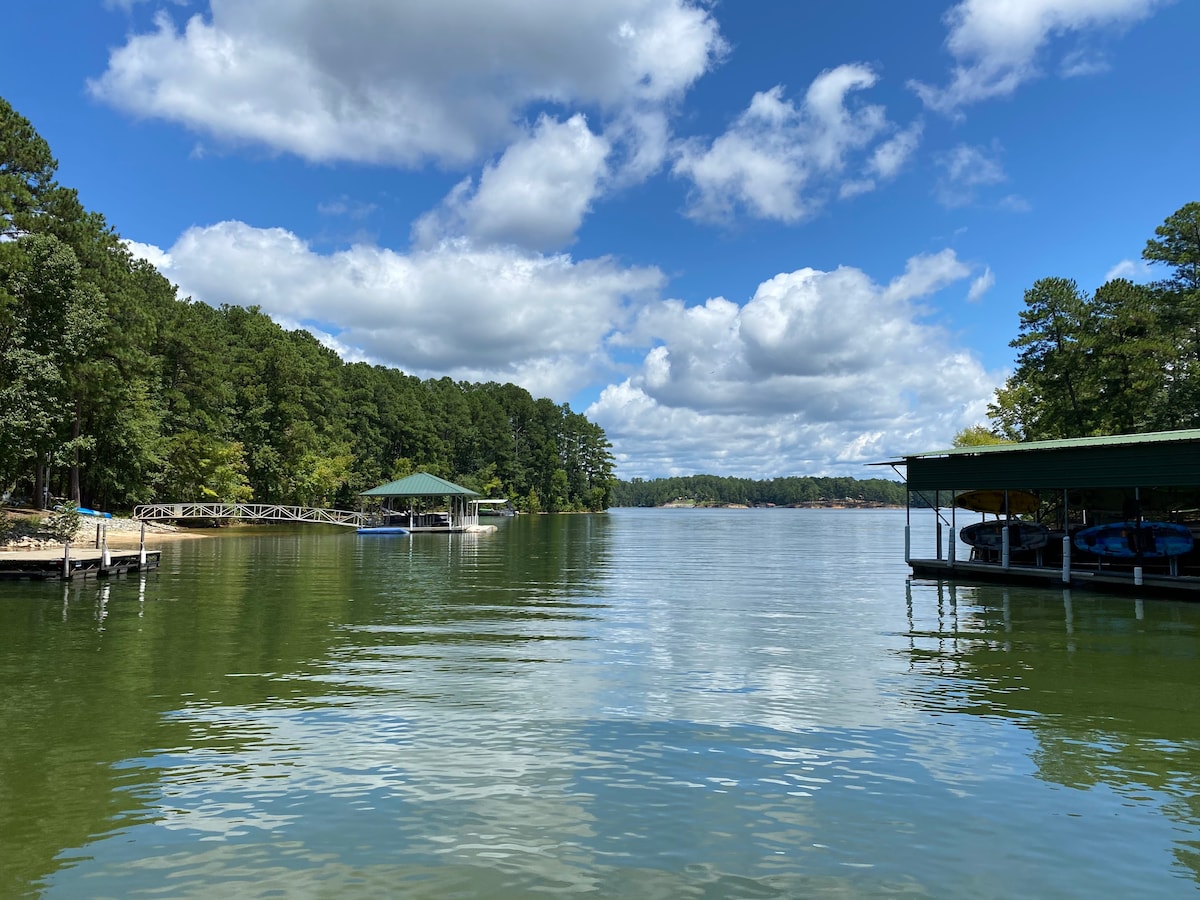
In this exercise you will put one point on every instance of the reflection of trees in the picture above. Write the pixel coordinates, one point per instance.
(1107, 685)
(89, 670)
(92, 673)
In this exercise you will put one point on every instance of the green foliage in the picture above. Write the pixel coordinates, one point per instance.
(27, 186)
(1051, 364)
(977, 436)
(63, 523)
(1178, 245)
(789, 491)
(113, 391)
(1124, 360)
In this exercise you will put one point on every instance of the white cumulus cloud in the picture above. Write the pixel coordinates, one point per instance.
(964, 170)
(475, 314)
(981, 286)
(768, 160)
(404, 83)
(535, 196)
(1136, 270)
(817, 372)
(996, 43)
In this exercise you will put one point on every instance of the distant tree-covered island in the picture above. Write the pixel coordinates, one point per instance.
(715, 490)
(114, 391)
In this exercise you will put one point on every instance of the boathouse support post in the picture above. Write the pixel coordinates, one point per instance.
(1005, 549)
(937, 522)
(907, 524)
(1137, 575)
(1066, 555)
(953, 531)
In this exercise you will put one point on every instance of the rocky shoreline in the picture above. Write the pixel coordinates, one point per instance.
(120, 532)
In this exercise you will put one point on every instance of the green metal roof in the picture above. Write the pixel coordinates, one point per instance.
(1154, 437)
(1158, 459)
(422, 484)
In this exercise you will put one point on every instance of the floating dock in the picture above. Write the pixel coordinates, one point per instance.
(68, 563)
(1114, 580)
(1132, 485)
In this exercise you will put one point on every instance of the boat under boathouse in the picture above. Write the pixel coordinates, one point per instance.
(1116, 513)
(424, 502)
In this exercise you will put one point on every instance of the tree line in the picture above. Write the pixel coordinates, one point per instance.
(114, 391)
(1124, 359)
(788, 491)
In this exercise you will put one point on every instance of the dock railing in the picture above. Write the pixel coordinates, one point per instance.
(267, 512)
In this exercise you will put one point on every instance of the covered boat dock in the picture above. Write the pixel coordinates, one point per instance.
(424, 503)
(1061, 493)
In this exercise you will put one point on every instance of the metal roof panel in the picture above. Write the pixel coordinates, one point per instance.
(422, 484)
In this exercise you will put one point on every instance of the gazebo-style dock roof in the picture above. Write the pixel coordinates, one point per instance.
(460, 514)
(1131, 482)
(421, 484)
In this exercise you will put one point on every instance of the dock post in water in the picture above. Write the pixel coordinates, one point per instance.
(66, 559)
(105, 556)
(142, 551)
(1066, 576)
(1005, 549)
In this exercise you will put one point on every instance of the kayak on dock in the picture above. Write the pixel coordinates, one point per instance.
(1021, 535)
(1130, 540)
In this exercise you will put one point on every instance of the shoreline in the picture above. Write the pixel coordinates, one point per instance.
(120, 532)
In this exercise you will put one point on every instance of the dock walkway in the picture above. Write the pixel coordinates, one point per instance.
(262, 512)
(53, 565)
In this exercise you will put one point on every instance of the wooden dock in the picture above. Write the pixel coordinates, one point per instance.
(68, 563)
(1119, 580)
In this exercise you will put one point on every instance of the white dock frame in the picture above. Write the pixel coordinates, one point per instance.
(268, 512)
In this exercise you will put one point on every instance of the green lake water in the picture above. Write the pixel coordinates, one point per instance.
(645, 703)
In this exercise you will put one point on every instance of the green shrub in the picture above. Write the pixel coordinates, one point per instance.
(62, 524)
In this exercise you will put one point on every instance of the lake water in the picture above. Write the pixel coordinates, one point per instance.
(646, 703)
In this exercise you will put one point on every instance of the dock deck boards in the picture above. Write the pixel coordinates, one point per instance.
(47, 565)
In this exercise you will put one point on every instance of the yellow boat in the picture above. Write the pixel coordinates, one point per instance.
(998, 502)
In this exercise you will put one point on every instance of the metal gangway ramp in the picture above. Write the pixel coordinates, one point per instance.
(266, 512)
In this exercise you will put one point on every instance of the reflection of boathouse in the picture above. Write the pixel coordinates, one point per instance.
(1105, 512)
(424, 502)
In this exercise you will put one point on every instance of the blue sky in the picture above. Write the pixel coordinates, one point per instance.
(746, 238)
